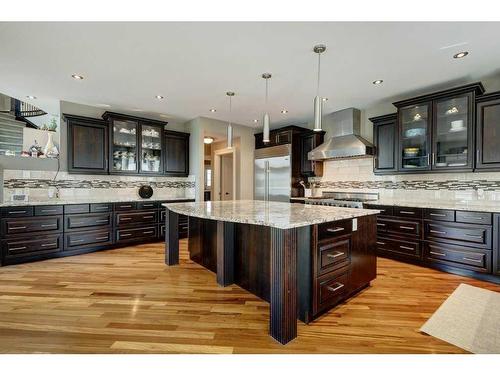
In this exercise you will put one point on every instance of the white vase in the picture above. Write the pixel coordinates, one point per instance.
(50, 149)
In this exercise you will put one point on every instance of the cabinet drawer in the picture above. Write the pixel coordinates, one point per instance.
(460, 234)
(136, 234)
(441, 215)
(28, 246)
(48, 210)
(23, 211)
(405, 228)
(405, 248)
(162, 231)
(79, 240)
(409, 212)
(330, 289)
(87, 221)
(101, 207)
(474, 217)
(147, 205)
(76, 208)
(334, 254)
(31, 224)
(129, 218)
(125, 206)
(334, 229)
(384, 210)
(457, 256)
(162, 216)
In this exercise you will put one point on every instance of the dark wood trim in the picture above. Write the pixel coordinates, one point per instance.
(107, 115)
(384, 118)
(487, 97)
(283, 320)
(496, 244)
(225, 253)
(476, 87)
(171, 238)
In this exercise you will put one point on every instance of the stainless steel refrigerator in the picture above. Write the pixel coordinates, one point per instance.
(273, 174)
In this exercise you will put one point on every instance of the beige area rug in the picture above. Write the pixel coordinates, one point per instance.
(469, 319)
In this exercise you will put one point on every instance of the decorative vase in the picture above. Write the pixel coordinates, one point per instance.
(50, 149)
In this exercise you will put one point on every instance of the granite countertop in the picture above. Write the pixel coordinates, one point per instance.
(84, 201)
(272, 214)
(463, 205)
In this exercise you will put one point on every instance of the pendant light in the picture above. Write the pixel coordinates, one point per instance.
(230, 94)
(265, 120)
(318, 102)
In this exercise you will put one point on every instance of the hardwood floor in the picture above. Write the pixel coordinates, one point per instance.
(128, 301)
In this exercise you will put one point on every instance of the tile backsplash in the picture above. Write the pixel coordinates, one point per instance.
(39, 185)
(357, 175)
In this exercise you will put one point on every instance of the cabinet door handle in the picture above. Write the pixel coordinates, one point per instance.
(406, 247)
(439, 215)
(472, 260)
(334, 289)
(405, 227)
(380, 243)
(335, 230)
(433, 158)
(478, 156)
(18, 227)
(17, 248)
(437, 231)
(49, 244)
(336, 255)
(436, 253)
(407, 212)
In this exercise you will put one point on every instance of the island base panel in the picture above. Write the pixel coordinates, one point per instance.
(225, 253)
(171, 238)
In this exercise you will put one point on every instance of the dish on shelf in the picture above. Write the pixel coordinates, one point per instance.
(441, 164)
(409, 166)
(415, 132)
(411, 151)
(457, 164)
(457, 125)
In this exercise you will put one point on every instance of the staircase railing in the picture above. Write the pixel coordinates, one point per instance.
(23, 109)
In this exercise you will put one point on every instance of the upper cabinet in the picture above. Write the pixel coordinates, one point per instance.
(488, 132)
(125, 144)
(177, 153)
(280, 136)
(434, 132)
(308, 141)
(87, 145)
(385, 139)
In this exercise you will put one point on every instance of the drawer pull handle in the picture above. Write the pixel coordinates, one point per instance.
(102, 238)
(473, 260)
(336, 255)
(474, 217)
(435, 253)
(127, 206)
(102, 221)
(439, 215)
(77, 241)
(79, 223)
(125, 218)
(18, 227)
(381, 225)
(48, 225)
(334, 289)
(125, 234)
(405, 227)
(473, 235)
(148, 232)
(17, 248)
(17, 212)
(437, 231)
(380, 243)
(406, 247)
(147, 205)
(49, 210)
(147, 217)
(335, 230)
(49, 244)
(407, 212)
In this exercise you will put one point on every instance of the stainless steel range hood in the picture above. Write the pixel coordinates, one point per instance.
(343, 129)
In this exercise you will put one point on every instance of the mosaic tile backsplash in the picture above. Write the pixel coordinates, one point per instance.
(39, 185)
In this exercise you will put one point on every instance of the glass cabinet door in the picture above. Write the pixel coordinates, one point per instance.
(151, 155)
(414, 128)
(124, 147)
(451, 133)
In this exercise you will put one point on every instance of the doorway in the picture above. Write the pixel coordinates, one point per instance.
(224, 181)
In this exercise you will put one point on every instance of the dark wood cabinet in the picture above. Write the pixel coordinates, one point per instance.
(176, 153)
(87, 145)
(488, 132)
(309, 141)
(385, 139)
(496, 244)
(279, 136)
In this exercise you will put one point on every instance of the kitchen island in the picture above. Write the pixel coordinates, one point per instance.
(303, 259)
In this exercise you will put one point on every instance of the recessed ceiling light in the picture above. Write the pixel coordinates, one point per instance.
(213, 110)
(208, 140)
(256, 120)
(284, 111)
(460, 55)
(159, 97)
(378, 81)
(30, 97)
(77, 76)
(324, 99)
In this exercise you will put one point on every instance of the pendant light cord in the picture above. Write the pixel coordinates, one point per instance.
(267, 89)
(319, 73)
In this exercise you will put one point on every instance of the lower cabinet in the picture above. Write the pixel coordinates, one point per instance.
(31, 247)
(496, 245)
(458, 256)
(144, 234)
(88, 240)
(401, 248)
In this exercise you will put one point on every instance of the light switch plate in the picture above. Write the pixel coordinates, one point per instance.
(354, 225)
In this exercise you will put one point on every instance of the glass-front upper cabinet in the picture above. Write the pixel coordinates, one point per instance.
(124, 150)
(452, 138)
(415, 137)
(151, 149)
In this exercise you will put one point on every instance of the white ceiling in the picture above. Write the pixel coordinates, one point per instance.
(194, 64)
